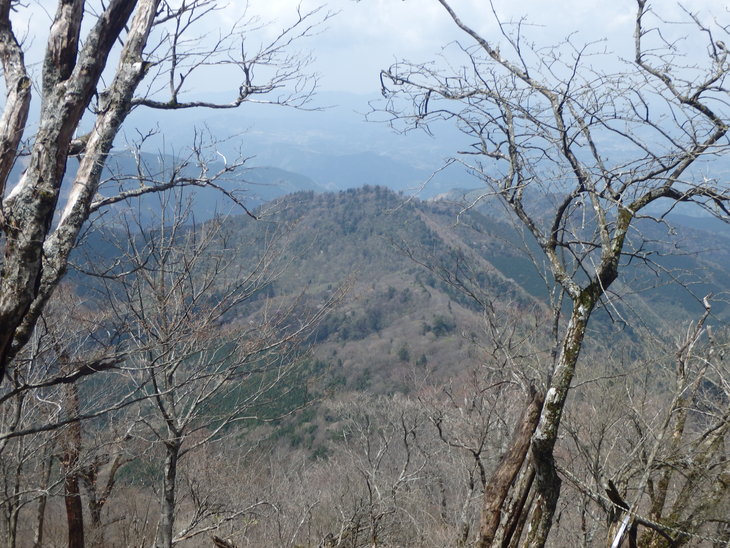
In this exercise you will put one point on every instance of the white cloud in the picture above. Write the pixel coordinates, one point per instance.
(369, 35)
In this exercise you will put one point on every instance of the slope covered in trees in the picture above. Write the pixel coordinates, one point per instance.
(402, 320)
(393, 407)
(370, 370)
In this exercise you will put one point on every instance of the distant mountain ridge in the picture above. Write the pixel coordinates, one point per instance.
(403, 326)
(253, 185)
(371, 231)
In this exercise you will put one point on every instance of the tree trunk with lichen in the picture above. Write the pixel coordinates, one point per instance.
(167, 508)
(547, 482)
(34, 253)
(541, 135)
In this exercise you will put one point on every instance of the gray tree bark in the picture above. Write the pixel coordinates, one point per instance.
(34, 256)
(167, 503)
(539, 130)
(38, 233)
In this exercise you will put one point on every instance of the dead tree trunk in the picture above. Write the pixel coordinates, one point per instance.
(504, 481)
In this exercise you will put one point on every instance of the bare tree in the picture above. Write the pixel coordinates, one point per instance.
(207, 348)
(646, 444)
(547, 125)
(43, 394)
(84, 76)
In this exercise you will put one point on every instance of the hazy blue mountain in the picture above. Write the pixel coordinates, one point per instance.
(252, 185)
(341, 172)
(705, 223)
(335, 145)
(332, 143)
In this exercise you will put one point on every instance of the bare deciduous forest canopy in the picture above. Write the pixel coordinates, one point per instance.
(297, 337)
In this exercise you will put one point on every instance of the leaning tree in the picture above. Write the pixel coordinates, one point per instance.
(578, 143)
(101, 61)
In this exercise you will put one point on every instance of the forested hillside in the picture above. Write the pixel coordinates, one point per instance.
(225, 325)
(358, 383)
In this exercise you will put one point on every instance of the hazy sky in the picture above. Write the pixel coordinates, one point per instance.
(366, 36)
(369, 35)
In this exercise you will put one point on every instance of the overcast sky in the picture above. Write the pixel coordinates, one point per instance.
(369, 35)
(366, 36)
